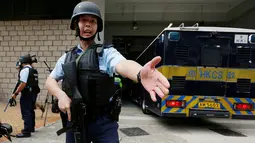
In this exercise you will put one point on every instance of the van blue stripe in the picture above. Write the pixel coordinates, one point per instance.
(231, 105)
(181, 109)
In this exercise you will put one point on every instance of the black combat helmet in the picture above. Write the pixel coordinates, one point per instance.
(25, 59)
(90, 8)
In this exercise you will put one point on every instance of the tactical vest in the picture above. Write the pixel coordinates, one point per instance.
(32, 81)
(71, 56)
(95, 87)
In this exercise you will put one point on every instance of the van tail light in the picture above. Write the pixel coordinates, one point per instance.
(175, 103)
(243, 106)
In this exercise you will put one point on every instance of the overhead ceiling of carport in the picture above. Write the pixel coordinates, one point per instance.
(176, 10)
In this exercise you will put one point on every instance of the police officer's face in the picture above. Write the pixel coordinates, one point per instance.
(87, 25)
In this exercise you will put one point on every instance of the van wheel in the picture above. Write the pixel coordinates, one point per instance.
(144, 107)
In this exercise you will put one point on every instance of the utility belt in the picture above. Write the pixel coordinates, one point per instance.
(112, 109)
(30, 89)
(92, 114)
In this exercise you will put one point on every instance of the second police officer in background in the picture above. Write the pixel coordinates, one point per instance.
(37, 105)
(96, 66)
(28, 87)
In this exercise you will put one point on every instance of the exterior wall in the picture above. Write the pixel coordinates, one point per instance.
(47, 39)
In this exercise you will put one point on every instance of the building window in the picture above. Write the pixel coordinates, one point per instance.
(36, 9)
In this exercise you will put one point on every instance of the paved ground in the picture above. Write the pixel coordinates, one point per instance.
(152, 129)
(13, 117)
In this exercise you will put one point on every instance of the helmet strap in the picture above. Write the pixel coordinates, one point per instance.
(98, 36)
(87, 39)
(90, 38)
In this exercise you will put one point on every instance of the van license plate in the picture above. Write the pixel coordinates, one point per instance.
(209, 105)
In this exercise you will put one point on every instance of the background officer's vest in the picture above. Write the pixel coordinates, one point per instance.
(32, 81)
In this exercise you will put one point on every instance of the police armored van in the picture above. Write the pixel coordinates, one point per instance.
(211, 71)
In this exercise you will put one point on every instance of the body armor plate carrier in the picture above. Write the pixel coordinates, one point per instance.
(32, 82)
(95, 87)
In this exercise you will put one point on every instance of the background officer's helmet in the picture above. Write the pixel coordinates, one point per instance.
(86, 7)
(27, 59)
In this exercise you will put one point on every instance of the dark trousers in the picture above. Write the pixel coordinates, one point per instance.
(100, 130)
(27, 111)
(33, 111)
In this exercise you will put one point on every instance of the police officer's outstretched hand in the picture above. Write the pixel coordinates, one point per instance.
(64, 103)
(153, 81)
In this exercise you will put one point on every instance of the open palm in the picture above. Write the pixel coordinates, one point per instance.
(153, 81)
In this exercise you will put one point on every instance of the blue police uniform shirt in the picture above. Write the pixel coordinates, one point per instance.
(24, 73)
(110, 58)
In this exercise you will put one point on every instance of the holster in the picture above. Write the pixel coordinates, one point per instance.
(115, 105)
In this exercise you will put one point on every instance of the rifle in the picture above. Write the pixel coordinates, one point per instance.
(50, 70)
(77, 107)
(12, 101)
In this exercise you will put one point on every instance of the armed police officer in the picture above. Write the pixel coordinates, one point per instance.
(88, 71)
(28, 87)
(37, 105)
